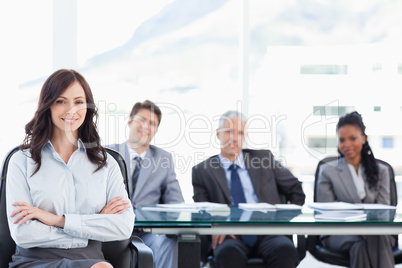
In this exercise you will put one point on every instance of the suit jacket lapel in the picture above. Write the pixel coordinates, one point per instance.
(147, 167)
(127, 156)
(219, 175)
(254, 173)
(346, 178)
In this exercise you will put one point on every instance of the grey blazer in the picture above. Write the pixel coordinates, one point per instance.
(269, 178)
(157, 182)
(335, 183)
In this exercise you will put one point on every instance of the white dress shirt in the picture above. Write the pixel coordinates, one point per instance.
(133, 154)
(358, 180)
(74, 190)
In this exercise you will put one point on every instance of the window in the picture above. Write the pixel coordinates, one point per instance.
(323, 142)
(387, 142)
(324, 69)
(332, 110)
(305, 65)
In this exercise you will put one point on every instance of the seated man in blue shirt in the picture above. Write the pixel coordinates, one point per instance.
(153, 179)
(246, 176)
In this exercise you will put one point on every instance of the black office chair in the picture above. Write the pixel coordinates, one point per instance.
(121, 254)
(314, 245)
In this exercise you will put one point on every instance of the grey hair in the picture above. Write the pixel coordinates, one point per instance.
(230, 115)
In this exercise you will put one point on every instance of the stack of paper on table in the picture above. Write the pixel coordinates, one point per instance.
(355, 215)
(268, 207)
(347, 206)
(342, 211)
(191, 207)
(333, 206)
(376, 206)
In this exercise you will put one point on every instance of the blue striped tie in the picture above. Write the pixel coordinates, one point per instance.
(236, 189)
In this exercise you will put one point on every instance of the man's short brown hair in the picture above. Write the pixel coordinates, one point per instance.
(149, 105)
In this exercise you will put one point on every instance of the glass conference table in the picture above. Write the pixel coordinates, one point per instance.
(188, 224)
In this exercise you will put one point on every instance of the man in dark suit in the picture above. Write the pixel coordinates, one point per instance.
(246, 176)
(152, 179)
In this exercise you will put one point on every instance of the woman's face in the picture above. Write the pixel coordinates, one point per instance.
(350, 142)
(68, 111)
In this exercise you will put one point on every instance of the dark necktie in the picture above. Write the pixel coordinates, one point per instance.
(237, 193)
(236, 187)
(137, 162)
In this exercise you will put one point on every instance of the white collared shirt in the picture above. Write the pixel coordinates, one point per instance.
(133, 154)
(73, 190)
(358, 180)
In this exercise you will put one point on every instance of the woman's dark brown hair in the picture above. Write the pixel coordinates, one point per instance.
(39, 130)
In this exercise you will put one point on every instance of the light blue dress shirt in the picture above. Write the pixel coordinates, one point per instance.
(248, 187)
(73, 190)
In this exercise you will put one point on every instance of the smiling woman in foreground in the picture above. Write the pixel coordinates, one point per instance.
(64, 193)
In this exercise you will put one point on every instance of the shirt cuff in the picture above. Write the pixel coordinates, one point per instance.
(72, 225)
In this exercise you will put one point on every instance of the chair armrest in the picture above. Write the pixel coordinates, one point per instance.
(145, 256)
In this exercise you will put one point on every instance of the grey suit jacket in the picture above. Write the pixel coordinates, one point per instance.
(157, 182)
(335, 183)
(269, 179)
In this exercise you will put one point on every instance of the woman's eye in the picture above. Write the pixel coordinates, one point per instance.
(79, 102)
(59, 102)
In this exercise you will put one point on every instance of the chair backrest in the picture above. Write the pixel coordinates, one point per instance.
(7, 245)
(393, 191)
(119, 253)
(317, 170)
(122, 164)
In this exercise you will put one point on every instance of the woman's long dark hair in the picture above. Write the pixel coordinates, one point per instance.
(39, 130)
(368, 161)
